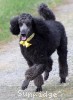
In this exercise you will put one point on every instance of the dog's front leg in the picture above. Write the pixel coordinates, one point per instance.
(32, 73)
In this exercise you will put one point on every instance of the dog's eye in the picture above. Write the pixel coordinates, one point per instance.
(28, 24)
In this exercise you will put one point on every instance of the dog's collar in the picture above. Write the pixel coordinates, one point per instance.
(26, 42)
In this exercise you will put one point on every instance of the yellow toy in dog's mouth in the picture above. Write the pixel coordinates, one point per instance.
(25, 42)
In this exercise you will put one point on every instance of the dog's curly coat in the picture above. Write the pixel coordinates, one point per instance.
(49, 36)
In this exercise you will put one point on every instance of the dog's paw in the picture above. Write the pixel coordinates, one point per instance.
(46, 75)
(25, 84)
(63, 80)
(38, 89)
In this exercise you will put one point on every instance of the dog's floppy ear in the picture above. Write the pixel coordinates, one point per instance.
(14, 26)
(40, 27)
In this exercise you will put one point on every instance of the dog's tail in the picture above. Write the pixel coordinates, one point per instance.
(45, 12)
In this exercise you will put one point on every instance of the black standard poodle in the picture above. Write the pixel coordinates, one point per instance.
(38, 40)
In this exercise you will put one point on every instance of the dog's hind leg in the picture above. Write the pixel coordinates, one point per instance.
(32, 73)
(63, 66)
(38, 81)
(48, 68)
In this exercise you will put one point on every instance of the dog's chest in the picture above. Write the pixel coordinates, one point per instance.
(36, 50)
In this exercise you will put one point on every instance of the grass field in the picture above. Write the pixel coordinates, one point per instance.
(9, 8)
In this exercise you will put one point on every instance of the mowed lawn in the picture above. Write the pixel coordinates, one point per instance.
(10, 8)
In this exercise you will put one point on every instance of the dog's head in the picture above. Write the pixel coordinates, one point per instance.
(21, 25)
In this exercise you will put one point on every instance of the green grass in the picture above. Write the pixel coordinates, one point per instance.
(9, 8)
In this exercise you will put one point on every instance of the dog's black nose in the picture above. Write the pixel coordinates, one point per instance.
(23, 32)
